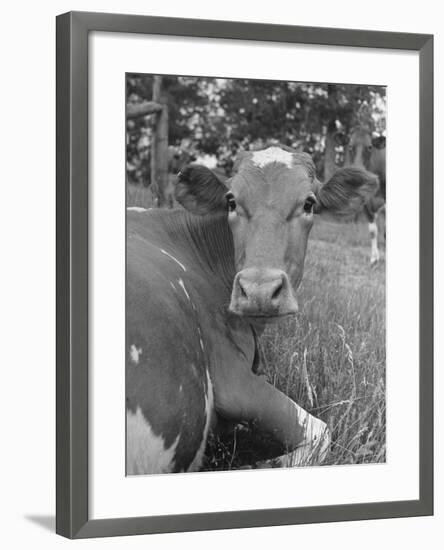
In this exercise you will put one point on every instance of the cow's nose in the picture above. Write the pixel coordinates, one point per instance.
(262, 292)
(265, 290)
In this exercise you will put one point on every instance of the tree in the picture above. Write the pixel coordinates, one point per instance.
(182, 104)
(219, 116)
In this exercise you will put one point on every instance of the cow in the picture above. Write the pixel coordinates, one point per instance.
(202, 281)
(177, 158)
(364, 152)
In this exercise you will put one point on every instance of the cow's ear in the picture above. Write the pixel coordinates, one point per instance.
(199, 191)
(346, 192)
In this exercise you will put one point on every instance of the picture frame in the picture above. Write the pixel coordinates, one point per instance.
(73, 341)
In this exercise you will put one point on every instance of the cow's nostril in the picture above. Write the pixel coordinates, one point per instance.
(277, 291)
(243, 293)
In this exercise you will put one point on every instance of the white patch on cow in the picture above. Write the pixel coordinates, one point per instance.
(173, 258)
(182, 286)
(209, 403)
(138, 209)
(373, 230)
(145, 451)
(272, 154)
(210, 161)
(135, 354)
(200, 338)
(315, 445)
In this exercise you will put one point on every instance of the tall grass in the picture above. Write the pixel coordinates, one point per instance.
(330, 359)
(138, 195)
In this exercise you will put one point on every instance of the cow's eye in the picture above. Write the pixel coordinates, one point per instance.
(309, 205)
(231, 202)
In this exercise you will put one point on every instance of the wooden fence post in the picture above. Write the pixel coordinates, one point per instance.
(159, 145)
(330, 142)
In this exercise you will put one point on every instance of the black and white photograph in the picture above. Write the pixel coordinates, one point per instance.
(255, 274)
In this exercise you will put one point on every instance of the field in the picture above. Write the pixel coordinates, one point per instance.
(331, 358)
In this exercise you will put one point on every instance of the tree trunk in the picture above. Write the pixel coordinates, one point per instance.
(159, 146)
(330, 143)
(330, 151)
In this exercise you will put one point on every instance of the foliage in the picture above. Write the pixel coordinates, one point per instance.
(219, 116)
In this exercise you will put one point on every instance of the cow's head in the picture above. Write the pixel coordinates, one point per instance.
(271, 203)
(359, 146)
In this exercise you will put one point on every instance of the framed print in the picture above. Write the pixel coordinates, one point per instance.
(244, 304)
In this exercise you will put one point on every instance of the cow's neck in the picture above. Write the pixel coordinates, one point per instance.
(208, 239)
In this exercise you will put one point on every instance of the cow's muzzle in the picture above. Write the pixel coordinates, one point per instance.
(262, 293)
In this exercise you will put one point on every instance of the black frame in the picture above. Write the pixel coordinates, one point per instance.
(72, 273)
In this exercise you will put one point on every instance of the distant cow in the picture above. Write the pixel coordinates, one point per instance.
(177, 158)
(364, 152)
(199, 281)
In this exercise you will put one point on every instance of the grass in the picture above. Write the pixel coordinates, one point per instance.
(138, 195)
(331, 358)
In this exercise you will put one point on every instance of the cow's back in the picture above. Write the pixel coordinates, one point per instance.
(168, 387)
